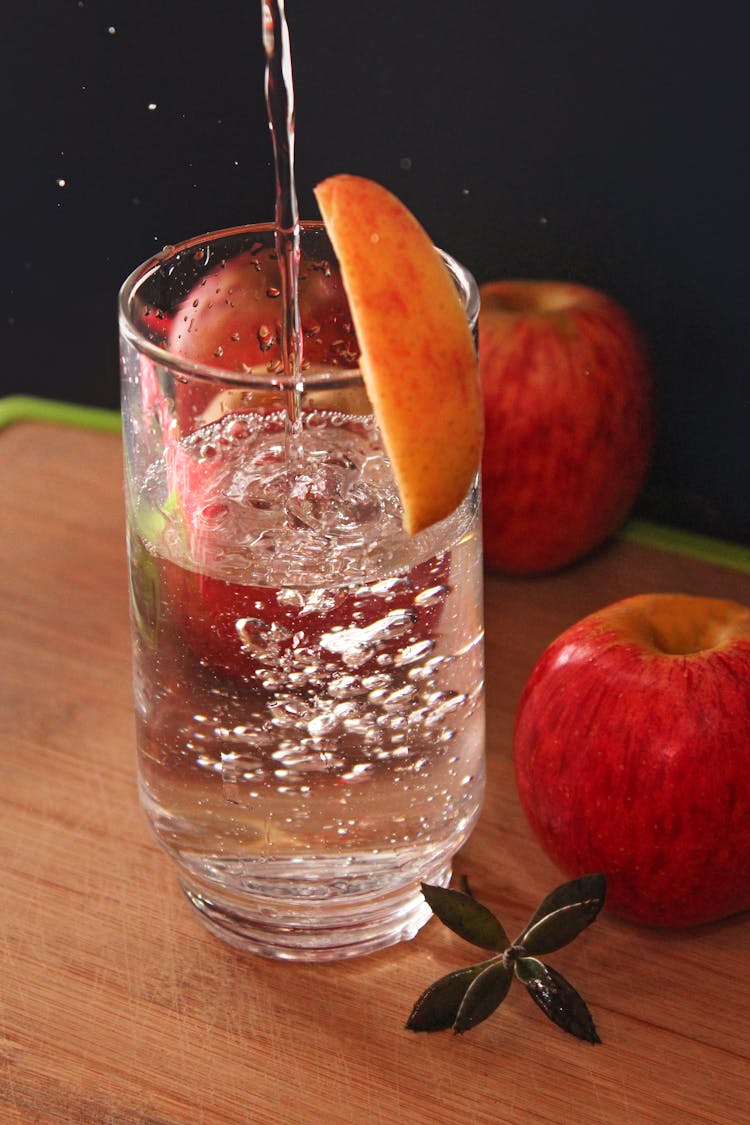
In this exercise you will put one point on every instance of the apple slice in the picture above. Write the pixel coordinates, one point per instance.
(418, 359)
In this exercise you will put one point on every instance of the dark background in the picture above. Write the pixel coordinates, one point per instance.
(600, 143)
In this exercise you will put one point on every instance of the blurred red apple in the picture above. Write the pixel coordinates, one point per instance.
(569, 421)
(632, 755)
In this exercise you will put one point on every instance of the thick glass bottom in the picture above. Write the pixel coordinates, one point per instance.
(329, 922)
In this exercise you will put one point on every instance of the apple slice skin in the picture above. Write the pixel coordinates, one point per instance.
(634, 760)
(570, 421)
(418, 358)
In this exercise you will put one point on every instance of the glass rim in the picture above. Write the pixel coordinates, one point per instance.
(464, 281)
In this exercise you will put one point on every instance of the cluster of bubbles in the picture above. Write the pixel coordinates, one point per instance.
(336, 515)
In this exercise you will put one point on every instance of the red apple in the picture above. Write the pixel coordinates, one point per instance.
(229, 320)
(569, 421)
(632, 755)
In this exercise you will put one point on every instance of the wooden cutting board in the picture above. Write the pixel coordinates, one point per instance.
(117, 1007)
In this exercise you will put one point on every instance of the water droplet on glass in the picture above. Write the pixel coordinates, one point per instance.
(265, 338)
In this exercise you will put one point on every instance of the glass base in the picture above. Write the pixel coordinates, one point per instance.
(332, 927)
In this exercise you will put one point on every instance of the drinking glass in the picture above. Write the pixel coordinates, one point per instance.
(308, 678)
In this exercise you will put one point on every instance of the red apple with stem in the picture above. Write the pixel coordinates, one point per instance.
(569, 421)
(632, 755)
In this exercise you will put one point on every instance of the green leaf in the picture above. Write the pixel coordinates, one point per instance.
(437, 1007)
(466, 917)
(563, 914)
(485, 993)
(145, 594)
(558, 1000)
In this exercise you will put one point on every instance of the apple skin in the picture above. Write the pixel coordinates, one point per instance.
(569, 421)
(230, 321)
(632, 755)
(418, 358)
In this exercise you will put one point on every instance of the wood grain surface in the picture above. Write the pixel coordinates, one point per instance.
(117, 1007)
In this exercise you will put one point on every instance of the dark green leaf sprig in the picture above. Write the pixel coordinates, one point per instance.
(464, 998)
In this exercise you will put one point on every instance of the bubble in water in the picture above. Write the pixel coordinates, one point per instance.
(414, 652)
(238, 430)
(293, 599)
(316, 495)
(322, 724)
(401, 697)
(342, 518)
(376, 682)
(347, 641)
(261, 638)
(433, 596)
(347, 709)
(343, 687)
(387, 587)
(322, 601)
(447, 703)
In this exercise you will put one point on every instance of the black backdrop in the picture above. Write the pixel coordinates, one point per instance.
(601, 143)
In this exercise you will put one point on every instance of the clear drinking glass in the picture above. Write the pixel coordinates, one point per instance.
(308, 679)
